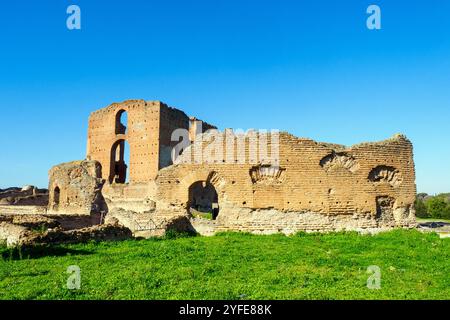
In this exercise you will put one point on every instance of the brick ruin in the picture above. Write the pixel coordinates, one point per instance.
(314, 186)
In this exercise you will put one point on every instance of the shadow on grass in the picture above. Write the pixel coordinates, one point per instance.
(36, 252)
(170, 235)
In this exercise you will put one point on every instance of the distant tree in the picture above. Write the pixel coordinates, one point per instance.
(446, 214)
(445, 196)
(421, 209)
(438, 208)
(422, 196)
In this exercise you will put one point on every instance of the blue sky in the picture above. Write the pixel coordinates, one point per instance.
(309, 67)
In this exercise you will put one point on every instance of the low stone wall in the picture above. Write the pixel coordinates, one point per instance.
(95, 233)
(38, 218)
(17, 235)
(149, 224)
(22, 210)
(74, 222)
(35, 222)
(12, 234)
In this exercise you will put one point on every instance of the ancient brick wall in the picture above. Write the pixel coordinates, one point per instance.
(105, 135)
(170, 120)
(375, 180)
(278, 184)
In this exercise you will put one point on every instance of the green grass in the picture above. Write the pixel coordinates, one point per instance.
(203, 215)
(235, 266)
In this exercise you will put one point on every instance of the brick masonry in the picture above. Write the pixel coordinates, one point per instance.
(312, 187)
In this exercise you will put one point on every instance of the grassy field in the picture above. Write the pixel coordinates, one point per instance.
(235, 266)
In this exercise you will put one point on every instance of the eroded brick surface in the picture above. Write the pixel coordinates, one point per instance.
(75, 188)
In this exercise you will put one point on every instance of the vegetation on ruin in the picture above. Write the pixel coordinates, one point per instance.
(414, 265)
(202, 215)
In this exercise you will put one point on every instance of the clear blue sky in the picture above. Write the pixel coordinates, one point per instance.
(308, 67)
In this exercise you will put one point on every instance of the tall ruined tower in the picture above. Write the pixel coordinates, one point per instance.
(142, 129)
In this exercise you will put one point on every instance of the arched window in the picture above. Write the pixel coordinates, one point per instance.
(203, 199)
(121, 122)
(56, 197)
(120, 159)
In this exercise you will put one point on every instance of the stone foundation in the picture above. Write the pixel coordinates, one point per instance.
(273, 221)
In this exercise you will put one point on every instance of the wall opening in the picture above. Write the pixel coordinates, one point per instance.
(203, 200)
(337, 160)
(121, 122)
(385, 208)
(120, 159)
(386, 174)
(56, 197)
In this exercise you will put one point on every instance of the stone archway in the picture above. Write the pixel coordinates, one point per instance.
(56, 197)
(119, 162)
(203, 198)
(203, 183)
(121, 121)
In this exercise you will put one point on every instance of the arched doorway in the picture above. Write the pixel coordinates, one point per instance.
(121, 122)
(56, 197)
(203, 199)
(120, 156)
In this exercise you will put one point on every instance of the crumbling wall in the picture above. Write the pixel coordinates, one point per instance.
(149, 224)
(75, 188)
(286, 184)
(319, 179)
